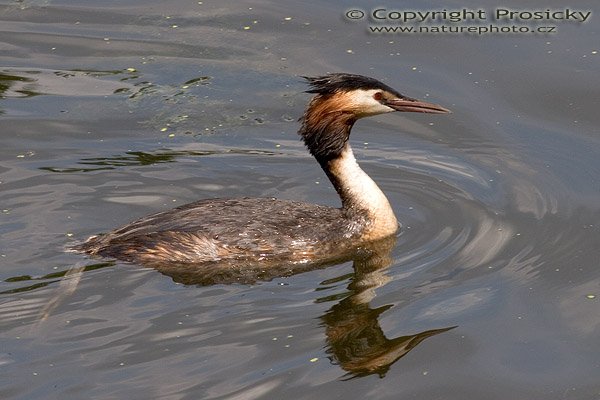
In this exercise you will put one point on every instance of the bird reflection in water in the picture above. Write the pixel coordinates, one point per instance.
(355, 340)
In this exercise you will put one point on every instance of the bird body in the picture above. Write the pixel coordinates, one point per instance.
(269, 230)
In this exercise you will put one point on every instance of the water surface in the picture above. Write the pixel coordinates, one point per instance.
(111, 111)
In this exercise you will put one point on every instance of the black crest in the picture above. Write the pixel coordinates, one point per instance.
(341, 82)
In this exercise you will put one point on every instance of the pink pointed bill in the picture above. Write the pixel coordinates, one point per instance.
(412, 105)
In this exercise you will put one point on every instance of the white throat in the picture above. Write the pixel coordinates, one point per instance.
(360, 192)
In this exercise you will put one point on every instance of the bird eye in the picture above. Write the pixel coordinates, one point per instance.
(378, 96)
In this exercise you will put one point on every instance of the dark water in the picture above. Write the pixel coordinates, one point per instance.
(115, 110)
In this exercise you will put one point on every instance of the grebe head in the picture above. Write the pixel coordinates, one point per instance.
(340, 100)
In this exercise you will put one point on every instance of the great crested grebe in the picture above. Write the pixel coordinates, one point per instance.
(268, 230)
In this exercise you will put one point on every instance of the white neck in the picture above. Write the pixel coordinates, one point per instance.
(360, 194)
